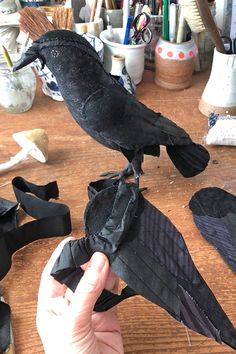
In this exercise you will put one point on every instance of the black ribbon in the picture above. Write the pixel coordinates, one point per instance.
(51, 220)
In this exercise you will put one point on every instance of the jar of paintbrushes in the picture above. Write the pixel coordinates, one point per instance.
(17, 89)
(176, 51)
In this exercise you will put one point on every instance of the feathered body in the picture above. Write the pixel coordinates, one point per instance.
(108, 112)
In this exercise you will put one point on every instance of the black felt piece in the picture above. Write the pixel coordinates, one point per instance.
(5, 329)
(147, 251)
(214, 212)
(106, 110)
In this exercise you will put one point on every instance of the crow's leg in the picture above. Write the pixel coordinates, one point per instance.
(136, 165)
(135, 158)
(126, 172)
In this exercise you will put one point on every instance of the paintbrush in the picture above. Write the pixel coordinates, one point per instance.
(189, 13)
(7, 57)
(93, 9)
(35, 22)
(62, 18)
(208, 20)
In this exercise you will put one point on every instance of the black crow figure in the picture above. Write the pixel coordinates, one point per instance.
(107, 111)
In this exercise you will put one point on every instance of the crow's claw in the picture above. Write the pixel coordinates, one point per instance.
(127, 172)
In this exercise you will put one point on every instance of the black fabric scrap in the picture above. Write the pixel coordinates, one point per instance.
(51, 219)
(214, 213)
(146, 251)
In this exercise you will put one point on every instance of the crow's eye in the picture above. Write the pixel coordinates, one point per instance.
(54, 53)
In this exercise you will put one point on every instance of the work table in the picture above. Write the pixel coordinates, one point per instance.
(74, 161)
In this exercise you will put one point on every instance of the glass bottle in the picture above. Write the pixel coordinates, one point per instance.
(119, 72)
(17, 89)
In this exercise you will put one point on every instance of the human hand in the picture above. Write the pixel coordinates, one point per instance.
(66, 321)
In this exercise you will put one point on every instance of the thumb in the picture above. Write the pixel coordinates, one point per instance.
(89, 289)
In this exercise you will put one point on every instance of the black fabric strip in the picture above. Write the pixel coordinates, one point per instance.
(52, 219)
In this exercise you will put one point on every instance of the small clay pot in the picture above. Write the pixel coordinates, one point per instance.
(174, 64)
(219, 95)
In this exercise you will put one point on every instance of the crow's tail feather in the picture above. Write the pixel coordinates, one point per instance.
(190, 160)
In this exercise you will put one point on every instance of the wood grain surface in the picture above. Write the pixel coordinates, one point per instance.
(75, 160)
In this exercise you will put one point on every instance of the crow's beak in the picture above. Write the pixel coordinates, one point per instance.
(28, 57)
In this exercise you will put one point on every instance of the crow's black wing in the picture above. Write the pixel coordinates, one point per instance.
(119, 118)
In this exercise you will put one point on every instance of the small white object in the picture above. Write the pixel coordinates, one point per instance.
(94, 27)
(98, 10)
(172, 22)
(233, 21)
(138, 9)
(223, 132)
(68, 4)
(146, 9)
(119, 71)
(33, 142)
(110, 29)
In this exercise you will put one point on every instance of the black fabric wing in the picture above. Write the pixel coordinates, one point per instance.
(132, 124)
(151, 257)
(214, 213)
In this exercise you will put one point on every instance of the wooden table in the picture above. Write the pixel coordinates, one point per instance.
(75, 160)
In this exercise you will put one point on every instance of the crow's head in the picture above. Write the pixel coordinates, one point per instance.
(56, 48)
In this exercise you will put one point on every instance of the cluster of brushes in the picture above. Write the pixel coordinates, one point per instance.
(197, 14)
(35, 22)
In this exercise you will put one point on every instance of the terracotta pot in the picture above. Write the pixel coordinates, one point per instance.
(219, 95)
(174, 64)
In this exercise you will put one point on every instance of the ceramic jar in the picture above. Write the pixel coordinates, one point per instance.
(174, 64)
(17, 90)
(134, 53)
(7, 6)
(219, 94)
(94, 28)
(119, 72)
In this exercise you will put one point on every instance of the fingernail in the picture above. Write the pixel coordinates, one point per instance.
(98, 261)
